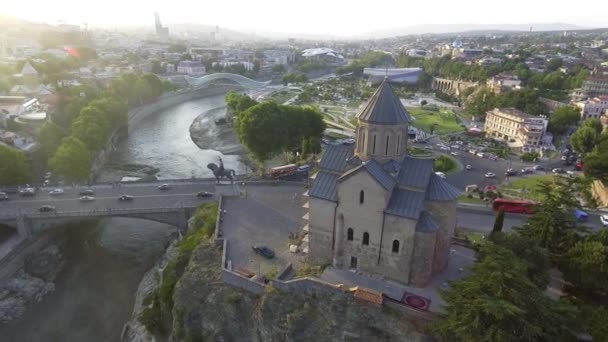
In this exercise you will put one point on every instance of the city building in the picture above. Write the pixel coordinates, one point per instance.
(325, 54)
(595, 85)
(593, 108)
(518, 129)
(225, 64)
(400, 75)
(377, 210)
(161, 32)
(191, 68)
(502, 83)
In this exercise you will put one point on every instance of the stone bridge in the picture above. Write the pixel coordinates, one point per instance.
(451, 87)
(28, 224)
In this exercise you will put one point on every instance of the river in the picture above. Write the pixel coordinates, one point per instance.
(94, 294)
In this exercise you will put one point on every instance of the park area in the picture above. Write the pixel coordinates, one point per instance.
(526, 187)
(444, 120)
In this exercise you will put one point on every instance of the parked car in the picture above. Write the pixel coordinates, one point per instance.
(87, 192)
(557, 170)
(454, 153)
(264, 251)
(125, 198)
(86, 198)
(511, 172)
(46, 208)
(538, 167)
(469, 167)
(490, 175)
(527, 170)
(604, 220)
(204, 194)
(440, 174)
(481, 154)
(56, 192)
(164, 187)
(3, 196)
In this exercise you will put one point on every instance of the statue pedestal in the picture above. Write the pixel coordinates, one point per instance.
(228, 189)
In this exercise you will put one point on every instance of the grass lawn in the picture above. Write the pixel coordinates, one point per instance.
(474, 200)
(446, 120)
(529, 184)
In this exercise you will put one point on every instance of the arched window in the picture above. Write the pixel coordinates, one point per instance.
(349, 234)
(366, 238)
(386, 148)
(374, 145)
(361, 197)
(395, 246)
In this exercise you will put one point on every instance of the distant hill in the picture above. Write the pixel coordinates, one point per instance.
(458, 28)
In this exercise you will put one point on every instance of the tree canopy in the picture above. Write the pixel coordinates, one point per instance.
(72, 160)
(563, 118)
(584, 139)
(14, 168)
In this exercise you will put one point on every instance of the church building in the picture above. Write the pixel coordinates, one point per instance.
(377, 210)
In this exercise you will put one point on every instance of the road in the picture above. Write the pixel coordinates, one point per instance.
(144, 196)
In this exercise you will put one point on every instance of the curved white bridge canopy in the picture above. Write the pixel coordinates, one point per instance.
(241, 80)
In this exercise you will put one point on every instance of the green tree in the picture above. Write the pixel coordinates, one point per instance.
(50, 137)
(72, 160)
(596, 165)
(254, 126)
(554, 64)
(499, 221)
(498, 302)
(563, 118)
(584, 139)
(594, 124)
(14, 168)
(278, 68)
(585, 265)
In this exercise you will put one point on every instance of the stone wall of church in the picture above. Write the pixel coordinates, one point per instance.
(423, 259)
(444, 214)
(362, 218)
(396, 265)
(320, 233)
(381, 151)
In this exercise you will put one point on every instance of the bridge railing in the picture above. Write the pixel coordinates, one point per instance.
(99, 212)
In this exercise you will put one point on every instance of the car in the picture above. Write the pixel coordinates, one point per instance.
(46, 208)
(481, 154)
(564, 158)
(444, 148)
(455, 147)
(468, 167)
(527, 170)
(164, 187)
(454, 153)
(511, 172)
(204, 194)
(557, 170)
(440, 174)
(538, 167)
(10, 190)
(56, 192)
(86, 198)
(125, 198)
(604, 220)
(87, 192)
(3, 196)
(264, 251)
(27, 192)
(490, 175)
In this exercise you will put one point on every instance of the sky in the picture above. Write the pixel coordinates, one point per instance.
(328, 17)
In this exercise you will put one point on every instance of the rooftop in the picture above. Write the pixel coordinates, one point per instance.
(384, 107)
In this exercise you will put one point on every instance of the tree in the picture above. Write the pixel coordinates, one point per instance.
(596, 165)
(585, 265)
(50, 137)
(14, 168)
(584, 139)
(563, 118)
(499, 221)
(157, 68)
(254, 126)
(498, 302)
(594, 124)
(72, 160)
(278, 68)
(554, 64)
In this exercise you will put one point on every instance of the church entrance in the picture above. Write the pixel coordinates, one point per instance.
(353, 263)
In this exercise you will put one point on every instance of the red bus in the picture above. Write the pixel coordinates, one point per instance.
(282, 171)
(514, 206)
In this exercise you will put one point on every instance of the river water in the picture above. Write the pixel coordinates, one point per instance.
(94, 295)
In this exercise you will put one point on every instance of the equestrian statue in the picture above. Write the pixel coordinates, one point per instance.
(220, 172)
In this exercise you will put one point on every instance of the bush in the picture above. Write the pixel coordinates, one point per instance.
(150, 317)
(444, 164)
(232, 298)
(530, 156)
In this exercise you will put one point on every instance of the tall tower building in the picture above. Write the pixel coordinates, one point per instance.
(162, 32)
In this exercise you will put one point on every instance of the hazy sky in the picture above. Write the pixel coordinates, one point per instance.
(332, 17)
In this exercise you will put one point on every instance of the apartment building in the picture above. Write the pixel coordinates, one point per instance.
(519, 129)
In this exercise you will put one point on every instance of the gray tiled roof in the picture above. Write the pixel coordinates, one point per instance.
(405, 203)
(376, 171)
(384, 107)
(391, 166)
(335, 158)
(415, 172)
(426, 224)
(440, 190)
(325, 186)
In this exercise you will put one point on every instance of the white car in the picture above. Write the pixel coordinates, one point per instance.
(481, 154)
(444, 148)
(440, 174)
(86, 198)
(604, 220)
(490, 175)
(469, 167)
(455, 147)
(454, 153)
(56, 192)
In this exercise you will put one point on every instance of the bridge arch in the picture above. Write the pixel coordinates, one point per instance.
(200, 82)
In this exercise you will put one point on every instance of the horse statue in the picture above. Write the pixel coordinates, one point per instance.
(220, 172)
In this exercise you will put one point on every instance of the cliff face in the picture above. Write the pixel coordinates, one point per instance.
(207, 309)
